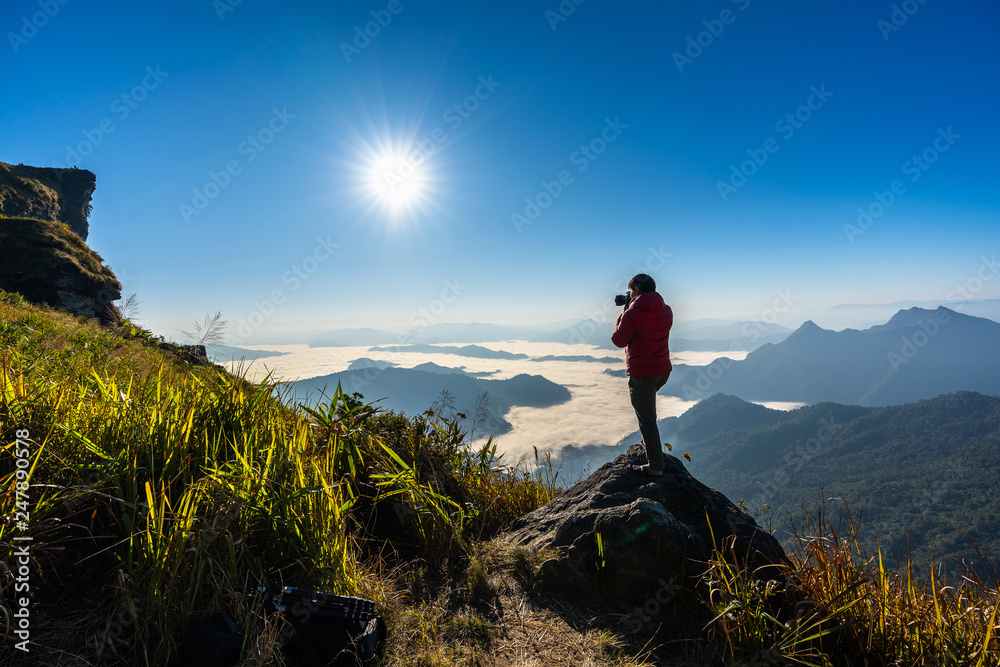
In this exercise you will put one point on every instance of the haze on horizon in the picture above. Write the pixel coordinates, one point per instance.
(512, 164)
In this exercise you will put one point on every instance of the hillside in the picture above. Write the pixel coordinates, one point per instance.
(917, 354)
(160, 492)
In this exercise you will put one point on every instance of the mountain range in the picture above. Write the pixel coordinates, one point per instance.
(476, 351)
(724, 333)
(739, 335)
(223, 353)
(917, 354)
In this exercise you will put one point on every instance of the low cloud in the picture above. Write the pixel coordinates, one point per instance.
(599, 412)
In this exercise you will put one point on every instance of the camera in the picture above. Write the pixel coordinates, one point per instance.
(623, 299)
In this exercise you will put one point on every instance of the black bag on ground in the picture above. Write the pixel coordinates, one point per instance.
(330, 630)
(323, 630)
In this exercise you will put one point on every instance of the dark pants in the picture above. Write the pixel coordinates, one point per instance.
(642, 393)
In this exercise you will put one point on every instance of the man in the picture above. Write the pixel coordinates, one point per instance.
(643, 329)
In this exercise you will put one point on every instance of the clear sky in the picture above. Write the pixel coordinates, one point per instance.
(391, 163)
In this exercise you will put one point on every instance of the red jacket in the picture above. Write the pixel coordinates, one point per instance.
(643, 329)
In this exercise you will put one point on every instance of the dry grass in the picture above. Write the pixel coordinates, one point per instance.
(30, 245)
(501, 623)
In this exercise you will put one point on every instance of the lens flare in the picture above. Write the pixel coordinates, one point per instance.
(396, 180)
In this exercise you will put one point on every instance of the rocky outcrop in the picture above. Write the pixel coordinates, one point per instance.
(45, 193)
(193, 354)
(47, 263)
(652, 530)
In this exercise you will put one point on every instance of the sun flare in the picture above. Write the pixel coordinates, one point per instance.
(395, 180)
(393, 172)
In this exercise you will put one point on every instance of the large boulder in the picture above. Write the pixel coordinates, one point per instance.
(652, 530)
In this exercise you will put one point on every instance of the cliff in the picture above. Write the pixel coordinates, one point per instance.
(43, 229)
(45, 193)
(47, 263)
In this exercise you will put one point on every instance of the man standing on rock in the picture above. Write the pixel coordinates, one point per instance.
(643, 329)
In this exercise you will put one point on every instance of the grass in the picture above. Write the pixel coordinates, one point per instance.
(161, 492)
(21, 187)
(30, 247)
(836, 605)
(169, 491)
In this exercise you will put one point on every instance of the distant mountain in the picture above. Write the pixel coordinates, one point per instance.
(473, 332)
(682, 327)
(748, 343)
(353, 337)
(707, 338)
(431, 367)
(428, 367)
(412, 391)
(857, 315)
(222, 353)
(734, 330)
(925, 471)
(916, 354)
(581, 357)
(735, 336)
(364, 362)
(584, 332)
(476, 351)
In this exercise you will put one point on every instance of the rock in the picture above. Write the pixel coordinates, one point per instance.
(193, 354)
(43, 229)
(47, 263)
(44, 193)
(653, 530)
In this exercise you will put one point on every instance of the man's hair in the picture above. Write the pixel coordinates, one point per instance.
(643, 282)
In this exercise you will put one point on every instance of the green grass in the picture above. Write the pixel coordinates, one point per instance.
(170, 490)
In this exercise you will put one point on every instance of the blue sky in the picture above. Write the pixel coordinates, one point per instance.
(723, 145)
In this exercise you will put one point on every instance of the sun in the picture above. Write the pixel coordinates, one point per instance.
(393, 179)
(396, 180)
(393, 172)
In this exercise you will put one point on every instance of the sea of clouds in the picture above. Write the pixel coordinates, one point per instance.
(598, 412)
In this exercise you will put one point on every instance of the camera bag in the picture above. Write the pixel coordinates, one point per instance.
(330, 630)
